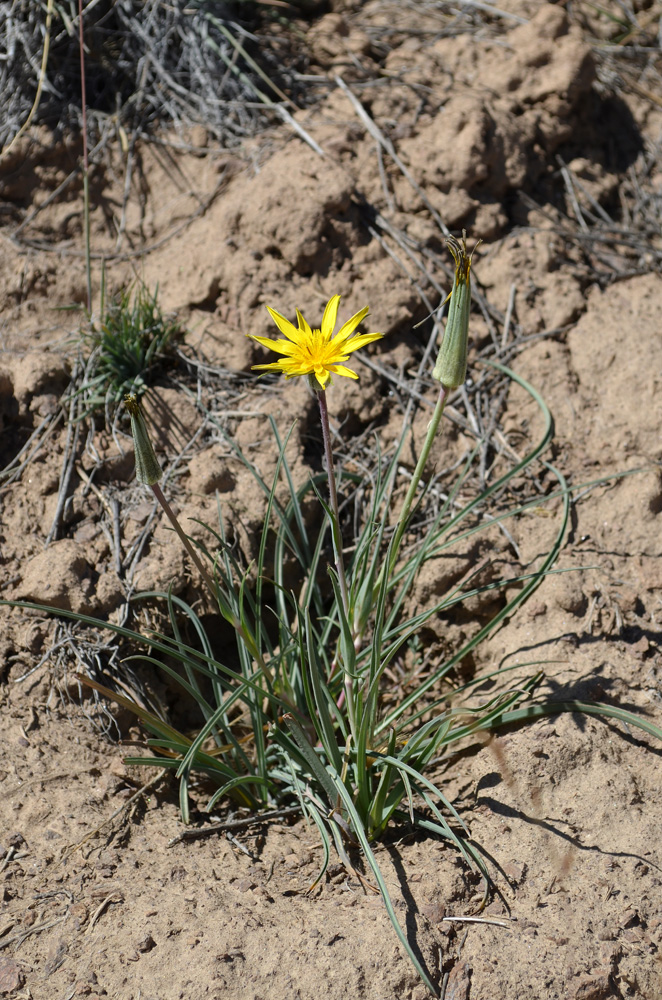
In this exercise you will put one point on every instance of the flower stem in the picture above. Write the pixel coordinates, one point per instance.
(333, 498)
(248, 640)
(405, 513)
(172, 517)
(86, 162)
(337, 541)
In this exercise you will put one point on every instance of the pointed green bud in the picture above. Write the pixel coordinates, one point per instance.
(148, 470)
(451, 366)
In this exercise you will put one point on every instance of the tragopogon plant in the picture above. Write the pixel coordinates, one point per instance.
(304, 712)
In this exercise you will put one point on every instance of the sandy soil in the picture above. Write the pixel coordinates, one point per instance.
(515, 131)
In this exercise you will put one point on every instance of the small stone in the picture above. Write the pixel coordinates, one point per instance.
(79, 914)
(515, 871)
(435, 911)
(596, 986)
(229, 956)
(11, 977)
(146, 944)
(459, 981)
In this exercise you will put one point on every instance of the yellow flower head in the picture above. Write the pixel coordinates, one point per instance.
(316, 353)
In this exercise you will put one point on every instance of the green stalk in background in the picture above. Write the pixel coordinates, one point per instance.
(336, 534)
(86, 164)
(149, 472)
(450, 371)
(333, 499)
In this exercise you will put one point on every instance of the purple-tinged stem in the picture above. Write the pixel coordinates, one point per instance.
(86, 163)
(337, 540)
(333, 498)
(172, 517)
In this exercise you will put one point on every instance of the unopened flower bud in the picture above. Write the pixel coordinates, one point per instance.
(451, 366)
(148, 470)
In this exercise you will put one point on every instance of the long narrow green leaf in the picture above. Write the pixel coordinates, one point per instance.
(323, 721)
(392, 717)
(239, 781)
(367, 728)
(346, 641)
(538, 711)
(280, 464)
(284, 520)
(404, 576)
(317, 769)
(485, 717)
(156, 724)
(359, 830)
(164, 644)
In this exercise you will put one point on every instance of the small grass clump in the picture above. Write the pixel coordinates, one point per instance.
(129, 343)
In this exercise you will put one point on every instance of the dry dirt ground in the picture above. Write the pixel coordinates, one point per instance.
(518, 128)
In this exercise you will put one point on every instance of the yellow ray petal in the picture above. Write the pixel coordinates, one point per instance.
(363, 338)
(296, 366)
(348, 328)
(282, 346)
(286, 328)
(273, 366)
(341, 370)
(322, 375)
(304, 326)
(330, 316)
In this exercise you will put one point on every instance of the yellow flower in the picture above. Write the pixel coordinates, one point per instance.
(316, 353)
